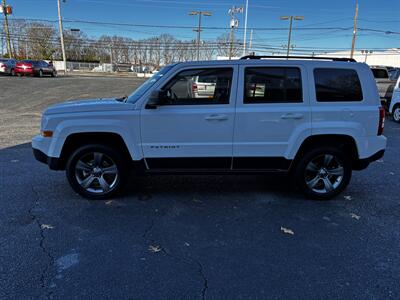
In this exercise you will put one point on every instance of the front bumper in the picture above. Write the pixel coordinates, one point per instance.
(42, 150)
(52, 162)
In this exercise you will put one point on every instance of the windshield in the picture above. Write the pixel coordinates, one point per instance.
(148, 84)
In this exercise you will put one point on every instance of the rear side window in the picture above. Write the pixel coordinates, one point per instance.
(337, 85)
(272, 85)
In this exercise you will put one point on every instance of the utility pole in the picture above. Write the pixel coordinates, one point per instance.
(245, 28)
(353, 42)
(60, 25)
(234, 23)
(291, 18)
(251, 41)
(8, 39)
(366, 52)
(111, 57)
(198, 30)
(26, 49)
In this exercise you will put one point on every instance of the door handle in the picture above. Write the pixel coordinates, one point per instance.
(292, 116)
(216, 118)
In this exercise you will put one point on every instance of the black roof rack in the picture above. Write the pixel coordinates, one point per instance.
(299, 57)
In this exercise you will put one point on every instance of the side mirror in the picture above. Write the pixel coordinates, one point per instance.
(156, 99)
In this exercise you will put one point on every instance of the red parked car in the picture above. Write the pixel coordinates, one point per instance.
(35, 68)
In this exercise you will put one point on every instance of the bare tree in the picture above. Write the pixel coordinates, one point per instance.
(209, 51)
(223, 45)
(42, 40)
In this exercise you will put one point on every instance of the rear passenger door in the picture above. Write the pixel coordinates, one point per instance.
(272, 116)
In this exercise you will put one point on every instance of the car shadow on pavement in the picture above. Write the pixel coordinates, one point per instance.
(145, 187)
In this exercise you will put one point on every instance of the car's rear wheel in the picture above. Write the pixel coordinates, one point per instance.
(96, 171)
(323, 173)
(40, 73)
(396, 113)
(53, 74)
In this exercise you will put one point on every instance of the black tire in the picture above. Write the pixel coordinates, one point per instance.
(78, 176)
(40, 73)
(308, 165)
(396, 113)
(12, 73)
(54, 74)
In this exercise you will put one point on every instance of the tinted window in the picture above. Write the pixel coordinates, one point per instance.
(336, 85)
(380, 73)
(394, 74)
(200, 86)
(272, 85)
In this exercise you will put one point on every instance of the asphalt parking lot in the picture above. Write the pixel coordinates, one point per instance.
(185, 237)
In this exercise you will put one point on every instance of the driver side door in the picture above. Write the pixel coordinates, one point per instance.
(189, 130)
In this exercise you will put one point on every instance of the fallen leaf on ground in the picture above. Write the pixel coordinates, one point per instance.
(391, 173)
(380, 161)
(354, 216)
(46, 226)
(155, 248)
(197, 200)
(109, 202)
(348, 198)
(287, 230)
(14, 160)
(187, 244)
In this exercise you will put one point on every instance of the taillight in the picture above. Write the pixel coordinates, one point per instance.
(381, 120)
(194, 88)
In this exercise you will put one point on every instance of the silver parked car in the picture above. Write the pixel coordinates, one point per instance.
(7, 66)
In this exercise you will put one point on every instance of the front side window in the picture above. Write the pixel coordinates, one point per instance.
(273, 85)
(337, 85)
(199, 87)
(139, 92)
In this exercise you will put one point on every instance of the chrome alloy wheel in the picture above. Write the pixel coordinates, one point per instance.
(324, 173)
(396, 114)
(96, 173)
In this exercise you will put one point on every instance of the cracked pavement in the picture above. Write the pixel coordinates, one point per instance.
(219, 237)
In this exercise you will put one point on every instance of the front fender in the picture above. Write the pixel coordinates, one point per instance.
(127, 128)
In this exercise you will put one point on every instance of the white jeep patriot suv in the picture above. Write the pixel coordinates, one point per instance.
(317, 119)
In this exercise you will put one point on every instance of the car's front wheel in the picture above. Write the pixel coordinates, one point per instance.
(323, 173)
(96, 171)
(396, 113)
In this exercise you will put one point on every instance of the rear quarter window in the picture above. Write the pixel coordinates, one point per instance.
(337, 85)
